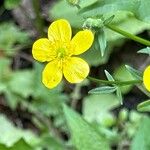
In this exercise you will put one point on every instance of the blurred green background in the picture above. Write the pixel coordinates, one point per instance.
(33, 117)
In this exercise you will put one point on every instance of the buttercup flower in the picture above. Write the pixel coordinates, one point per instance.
(60, 51)
(146, 78)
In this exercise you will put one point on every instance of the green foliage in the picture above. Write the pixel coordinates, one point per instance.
(138, 7)
(142, 138)
(82, 132)
(96, 107)
(103, 90)
(11, 134)
(144, 106)
(10, 4)
(122, 74)
(145, 50)
(11, 38)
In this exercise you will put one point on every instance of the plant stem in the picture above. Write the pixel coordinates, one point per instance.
(120, 83)
(38, 18)
(129, 35)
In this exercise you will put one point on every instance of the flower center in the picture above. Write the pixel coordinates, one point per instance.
(61, 52)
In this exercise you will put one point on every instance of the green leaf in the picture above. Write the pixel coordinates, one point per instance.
(20, 145)
(85, 3)
(63, 10)
(10, 37)
(141, 140)
(109, 76)
(140, 8)
(108, 20)
(81, 132)
(103, 90)
(11, 134)
(122, 74)
(135, 73)
(96, 107)
(10, 4)
(50, 143)
(119, 95)
(102, 41)
(4, 68)
(144, 106)
(24, 81)
(145, 50)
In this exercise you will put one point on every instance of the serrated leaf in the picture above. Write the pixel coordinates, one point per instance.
(81, 132)
(102, 41)
(144, 106)
(145, 50)
(135, 73)
(103, 90)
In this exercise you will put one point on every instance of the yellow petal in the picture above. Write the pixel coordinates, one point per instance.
(75, 69)
(146, 78)
(60, 30)
(82, 41)
(52, 74)
(43, 50)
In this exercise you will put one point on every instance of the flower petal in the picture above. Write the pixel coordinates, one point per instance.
(82, 41)
(75, 69)
(52, 74)
(43, 50)
(60, 30)
(146, 78)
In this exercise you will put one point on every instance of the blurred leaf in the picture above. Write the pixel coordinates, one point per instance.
(119, 95)
(85, 3)
(10, 4)
(141, 140)
(10, 35)
(45, 101)
(139, 8)
(4, 68)
(108, 20)
(95, 107)
(135, 73)
(50, 143)
(21, 83)
(122, 74)
(93, 56)
(102, 41)
(82, 132)
(11, 134)
(20, 145)
(144, 106)
(145, 50)
(63, 10)
(103, 90)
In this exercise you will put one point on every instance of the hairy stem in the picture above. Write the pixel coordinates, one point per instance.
(120, 83)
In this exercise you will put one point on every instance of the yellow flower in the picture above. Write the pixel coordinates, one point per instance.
(60, 51)
(146, 78)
